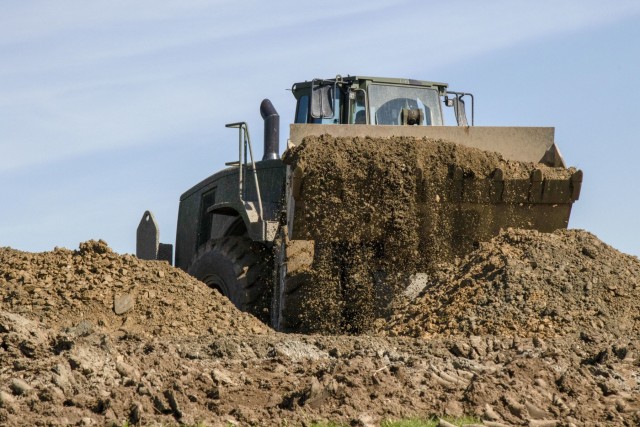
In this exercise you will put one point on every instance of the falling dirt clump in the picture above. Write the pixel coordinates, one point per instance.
(525, 283)
(381, 210)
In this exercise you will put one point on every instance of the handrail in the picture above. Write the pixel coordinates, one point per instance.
(244, 141)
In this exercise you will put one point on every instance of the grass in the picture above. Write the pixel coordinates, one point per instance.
(432, 422)
(413, 422)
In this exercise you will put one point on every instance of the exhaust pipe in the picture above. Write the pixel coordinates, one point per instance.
(271, 130)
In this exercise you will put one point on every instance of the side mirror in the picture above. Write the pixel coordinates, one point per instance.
(322, 100)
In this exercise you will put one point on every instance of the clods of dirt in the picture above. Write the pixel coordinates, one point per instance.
(67, 358)
(525, 283)
(115, 293)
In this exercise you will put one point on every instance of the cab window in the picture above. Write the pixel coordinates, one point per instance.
(358, 108)
(303, 116)
(303, 109)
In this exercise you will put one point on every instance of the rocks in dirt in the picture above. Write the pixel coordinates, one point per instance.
(364, 420)
(508, 382)
(82, 329)
(535, 412)
(315, 394)
(126, 370)
(490, 414)
(443, 423)
(221, 377)
(123, 303)
(67, 319)
(154, 364)
(543, 423)
(6, 400)
(382, 210)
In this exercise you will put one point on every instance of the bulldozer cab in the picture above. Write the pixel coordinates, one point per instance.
(376, 101)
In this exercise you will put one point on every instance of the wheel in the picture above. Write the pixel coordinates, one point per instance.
(239, 269)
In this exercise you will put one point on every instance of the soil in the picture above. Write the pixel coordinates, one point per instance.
(527, 283)
(117, 293)
(179, 352)
(527, 328)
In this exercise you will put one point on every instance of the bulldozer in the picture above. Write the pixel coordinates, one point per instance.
(369, 195)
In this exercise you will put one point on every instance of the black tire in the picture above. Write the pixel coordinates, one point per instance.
(239, 269)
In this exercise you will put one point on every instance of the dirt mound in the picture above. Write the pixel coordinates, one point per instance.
(100, 289)
(67, 357)
(526, 283)
(380, 210)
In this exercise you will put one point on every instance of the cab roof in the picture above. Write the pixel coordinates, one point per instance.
(385, 80)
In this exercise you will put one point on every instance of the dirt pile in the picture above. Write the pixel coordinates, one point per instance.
(525, 283)
(112, 292)
(67, 358)
(78, 330)
(380, 210)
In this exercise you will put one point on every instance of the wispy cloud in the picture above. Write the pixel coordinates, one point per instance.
(111, 107)
(91, 76)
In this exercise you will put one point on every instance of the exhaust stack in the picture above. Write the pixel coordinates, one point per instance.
(271, 130)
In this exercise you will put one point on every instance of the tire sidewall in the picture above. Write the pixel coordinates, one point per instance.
(218, 270)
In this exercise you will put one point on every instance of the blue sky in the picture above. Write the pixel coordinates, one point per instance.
(108, 108)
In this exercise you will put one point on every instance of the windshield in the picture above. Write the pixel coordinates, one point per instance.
(386, 103)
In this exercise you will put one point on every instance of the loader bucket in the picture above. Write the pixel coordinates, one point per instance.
(523, 182)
